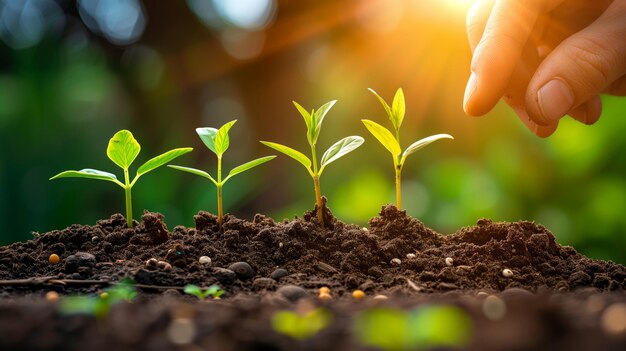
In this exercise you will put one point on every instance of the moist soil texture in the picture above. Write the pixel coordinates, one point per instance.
(555, 297)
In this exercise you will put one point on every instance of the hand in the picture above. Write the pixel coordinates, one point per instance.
(546, 58)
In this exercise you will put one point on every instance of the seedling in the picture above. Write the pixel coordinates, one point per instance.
(301, 326)
(428, 327)
(217, 141)
(313, 123)
(122, 150)
(214, 291)
(99, 306)
(391, 142)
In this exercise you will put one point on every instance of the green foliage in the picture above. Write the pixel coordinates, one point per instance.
(123, 149)
(218, 141)
(392, 143)
(99, 306)
(313, 122)
(437, 326)
(214, 290)
(301, 326)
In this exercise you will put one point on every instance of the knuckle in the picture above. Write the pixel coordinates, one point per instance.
(594, 57)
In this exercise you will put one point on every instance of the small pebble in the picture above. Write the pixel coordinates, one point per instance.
(365, 229)
(396, 261)
(380, 297)
(292, 293)
(411, 256)
(164, 266)
(78, 260)
(52, 296)
(204, 260)
(279, 273)
(152, 262)
(449, 261)
(242, 269)
(324, 290)
(94, 238)
(358, 294)
(507, 273)
(54, 259)
(325, 297)
(280, 244)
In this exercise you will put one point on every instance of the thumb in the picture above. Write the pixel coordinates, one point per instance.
(582, 66)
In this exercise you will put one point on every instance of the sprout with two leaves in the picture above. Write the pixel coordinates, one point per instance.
(313, 121)
(391, 142)
(217, 140)
(122, 150)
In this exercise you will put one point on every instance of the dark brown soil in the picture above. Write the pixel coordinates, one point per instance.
(343, 257)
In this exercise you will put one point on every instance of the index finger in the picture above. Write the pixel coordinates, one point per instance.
(507, 30)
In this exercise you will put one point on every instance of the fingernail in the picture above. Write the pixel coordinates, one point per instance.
(470, 89)
(555, 100)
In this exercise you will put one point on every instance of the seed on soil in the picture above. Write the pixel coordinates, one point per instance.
(396, 261)
(204, 260)
(104, 295)
(52, 296)
(242, 269)
(324, 290)
(292, 293)
(614, 319)
(54, 259)
(279, 273)
(151, 262)
(449, 261)
(358, 294)
(494, 308)
(325, 297)
(365, 229)
(380, 297)
(507, 273)
(94, 238)
(411, 256)
(164, 266)
(280, 244)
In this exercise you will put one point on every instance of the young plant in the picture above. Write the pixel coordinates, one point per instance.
(99, 306)
(214, 291)
(122, 150)
(313, 123)
(392, 143)
(301, 326)
(217, 141)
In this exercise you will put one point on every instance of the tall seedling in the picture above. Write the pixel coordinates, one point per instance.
(313, 121)
(392, 143)
(217, 141)
(122, 150)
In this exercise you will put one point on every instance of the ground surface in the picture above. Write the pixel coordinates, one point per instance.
(555, 297)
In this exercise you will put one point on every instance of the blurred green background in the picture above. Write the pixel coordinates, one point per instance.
(74, 72)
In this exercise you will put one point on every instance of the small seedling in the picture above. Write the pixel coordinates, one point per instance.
(99, 306)
(313, 123)
(392, 143)
(214, 291)
(301, 326)
(427, 327)
(122, 150)
(217, 141)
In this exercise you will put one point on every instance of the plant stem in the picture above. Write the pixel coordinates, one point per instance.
(318, 190)
(220, 214)
(129, 200)
(398, 188)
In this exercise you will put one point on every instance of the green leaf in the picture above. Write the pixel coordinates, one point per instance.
(215, 291)
(295, 154)
(194, 290)
(89, 174)
(383, 102)
(246, 166)
(222, 141)
(382, 328)
(305, 114)
(318, 118)
(384, 136)
(123, 149)
(301, 327)
(207, 135)
(160, 160)
(194, 171)
(398, 109)
(340, 149)
(422, 143)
